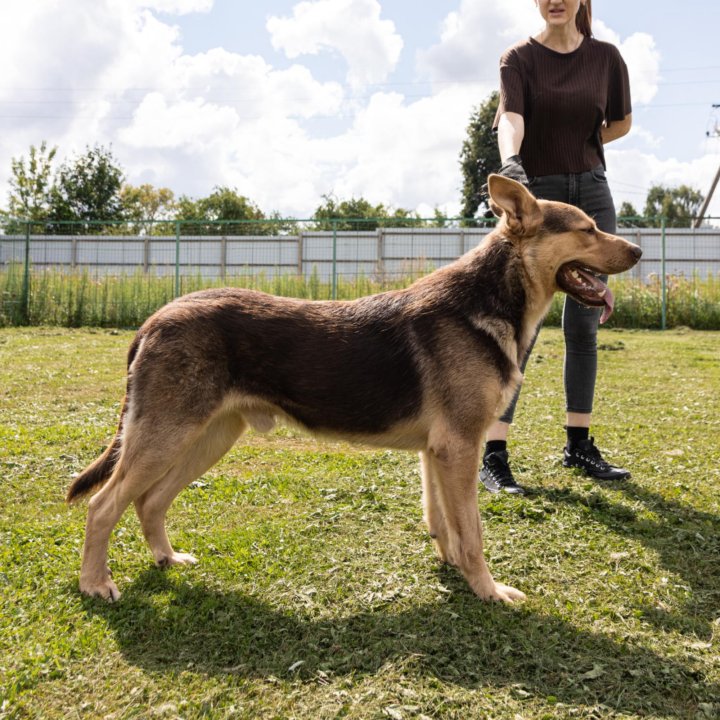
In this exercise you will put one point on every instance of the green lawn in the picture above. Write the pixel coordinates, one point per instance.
(318, 594)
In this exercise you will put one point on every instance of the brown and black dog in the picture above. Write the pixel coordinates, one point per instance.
(427, 368)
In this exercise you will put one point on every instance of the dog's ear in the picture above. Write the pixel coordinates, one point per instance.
(513, 200)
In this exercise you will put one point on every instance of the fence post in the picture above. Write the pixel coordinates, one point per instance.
(334, 260)
(381, 255)
(223, 258)
(663, 320)
(25, 297)
(300, 244)
(177, 258)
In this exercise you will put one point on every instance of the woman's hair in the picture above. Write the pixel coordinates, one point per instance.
(583, 19)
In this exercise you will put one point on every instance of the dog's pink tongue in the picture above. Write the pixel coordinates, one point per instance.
(603, 292)
(609, 301)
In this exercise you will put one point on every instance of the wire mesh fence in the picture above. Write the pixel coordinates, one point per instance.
(108, 276)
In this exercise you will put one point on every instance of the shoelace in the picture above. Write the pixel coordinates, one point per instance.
(591, 454)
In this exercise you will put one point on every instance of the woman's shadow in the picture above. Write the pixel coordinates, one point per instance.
(686, 540)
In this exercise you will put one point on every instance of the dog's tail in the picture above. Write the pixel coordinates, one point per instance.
(99, 471)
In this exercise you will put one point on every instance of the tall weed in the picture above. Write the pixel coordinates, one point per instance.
(125, 301)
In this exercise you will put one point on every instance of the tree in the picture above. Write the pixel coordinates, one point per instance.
(677, 205)
(479, 157)
(440, 219)
(144, 205)
(359, 214)
(86, 192)
(223, 204)
(628, 216)
(30, 187)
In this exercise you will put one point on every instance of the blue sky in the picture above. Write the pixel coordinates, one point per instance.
(288, 101)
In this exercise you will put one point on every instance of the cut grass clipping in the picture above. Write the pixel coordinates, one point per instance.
(318, 594)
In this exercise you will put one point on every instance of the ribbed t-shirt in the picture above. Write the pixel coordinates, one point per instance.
(564, 99)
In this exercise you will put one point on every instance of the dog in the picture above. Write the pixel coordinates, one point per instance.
(427, 368)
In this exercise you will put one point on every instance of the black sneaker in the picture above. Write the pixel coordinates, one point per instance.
(583, 454)
(496, 475)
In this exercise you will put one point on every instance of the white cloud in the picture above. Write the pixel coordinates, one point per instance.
(642, 58)
(353, 28)
(193, 124)
(648, 138)
(406, 154)
(171, 7)
(253, 87)
(643, 61)
(473, 38)
(46, 45)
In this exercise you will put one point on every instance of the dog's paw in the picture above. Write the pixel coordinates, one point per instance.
(105, 589)
(495, 591)
(507, 594)
(176, 559)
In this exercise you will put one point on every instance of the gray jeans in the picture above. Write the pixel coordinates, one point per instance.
(590, 192)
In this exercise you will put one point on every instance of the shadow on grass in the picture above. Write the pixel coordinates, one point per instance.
(686, 540)
(166, 624)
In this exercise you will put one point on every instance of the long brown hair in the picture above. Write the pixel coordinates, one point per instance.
(583, 19)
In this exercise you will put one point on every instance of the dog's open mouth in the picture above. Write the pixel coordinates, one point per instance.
(582, 284)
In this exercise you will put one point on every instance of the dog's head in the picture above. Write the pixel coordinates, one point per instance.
(567, 249)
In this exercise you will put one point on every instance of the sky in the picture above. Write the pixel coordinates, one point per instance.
(287, 102)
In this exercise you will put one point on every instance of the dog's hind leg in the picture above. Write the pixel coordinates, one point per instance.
(104, 510)
(144, 461)
(454, 463)
(152, 506)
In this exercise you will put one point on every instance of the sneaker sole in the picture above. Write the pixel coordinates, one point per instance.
(496, 490)
(624, 476)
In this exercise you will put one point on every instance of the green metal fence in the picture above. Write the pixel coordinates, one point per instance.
(111, 275)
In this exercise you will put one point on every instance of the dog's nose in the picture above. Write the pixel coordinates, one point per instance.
(637, 252)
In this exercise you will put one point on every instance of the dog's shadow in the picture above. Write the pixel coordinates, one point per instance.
(165, 623)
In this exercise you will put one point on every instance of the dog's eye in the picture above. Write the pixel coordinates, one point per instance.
(589, 230)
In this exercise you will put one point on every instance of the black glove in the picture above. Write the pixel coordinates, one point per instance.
(512, 168)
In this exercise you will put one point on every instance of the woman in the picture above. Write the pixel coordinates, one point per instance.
(563, 96)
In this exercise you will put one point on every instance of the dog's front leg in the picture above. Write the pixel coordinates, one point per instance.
(453, 466)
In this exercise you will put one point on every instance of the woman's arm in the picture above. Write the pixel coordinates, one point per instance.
(610, 132)
(510, 134)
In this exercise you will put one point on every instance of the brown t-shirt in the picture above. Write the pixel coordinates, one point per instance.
(564, 99)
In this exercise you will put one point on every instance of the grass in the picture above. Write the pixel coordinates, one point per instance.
(82, 300)
(318, 594)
